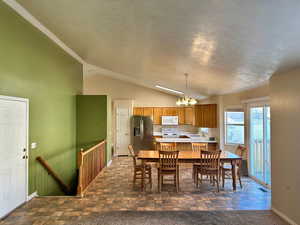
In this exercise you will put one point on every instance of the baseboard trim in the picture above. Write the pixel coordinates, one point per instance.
(283, 216)
(33, 195)
(109, 163)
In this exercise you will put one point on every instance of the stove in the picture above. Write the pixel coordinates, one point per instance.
(170, 133)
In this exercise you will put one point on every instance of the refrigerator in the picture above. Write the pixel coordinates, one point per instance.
(142, 133)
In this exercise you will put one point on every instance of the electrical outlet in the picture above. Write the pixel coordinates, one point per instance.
(33, 145)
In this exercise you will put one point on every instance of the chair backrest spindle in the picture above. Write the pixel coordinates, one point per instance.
(167, 146)
(168, 160)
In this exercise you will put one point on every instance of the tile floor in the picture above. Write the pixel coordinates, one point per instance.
(114, 191)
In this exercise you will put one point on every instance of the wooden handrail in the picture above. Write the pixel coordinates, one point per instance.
(90, 164)
(65, 188)
(92, 148)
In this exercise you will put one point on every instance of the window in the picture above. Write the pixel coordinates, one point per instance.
(234, 127)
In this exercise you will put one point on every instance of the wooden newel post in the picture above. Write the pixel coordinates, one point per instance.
(80, 162)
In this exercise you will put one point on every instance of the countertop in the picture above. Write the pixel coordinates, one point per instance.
(184, 140)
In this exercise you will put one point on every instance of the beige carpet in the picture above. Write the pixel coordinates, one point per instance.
(183, 218)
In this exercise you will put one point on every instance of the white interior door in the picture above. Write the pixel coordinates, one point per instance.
(13, 160)
(122, 130)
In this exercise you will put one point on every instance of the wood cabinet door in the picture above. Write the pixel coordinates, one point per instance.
(206, 116)
(138, 111)
(189, 115)
(170, 111)
(181, 115)
(213, 113)
(148, 111)
(157, 113)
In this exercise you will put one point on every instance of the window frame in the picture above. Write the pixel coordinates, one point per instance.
(233, 124)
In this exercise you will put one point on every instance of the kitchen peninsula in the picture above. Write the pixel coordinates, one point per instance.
(184, 142)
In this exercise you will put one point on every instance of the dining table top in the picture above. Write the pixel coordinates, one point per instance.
(184, 155)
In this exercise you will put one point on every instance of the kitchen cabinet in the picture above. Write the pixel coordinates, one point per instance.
(157, 114)
(170, 111)
(199, 115)
(206, 115)
(181, 115)
(148, 111)
(138, 111)
(189, 115)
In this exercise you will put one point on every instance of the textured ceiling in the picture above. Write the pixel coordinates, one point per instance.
(225, 46)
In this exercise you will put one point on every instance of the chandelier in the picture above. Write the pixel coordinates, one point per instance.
(186, 100)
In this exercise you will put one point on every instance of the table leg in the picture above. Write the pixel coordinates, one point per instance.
(143, 176)
(233, 175)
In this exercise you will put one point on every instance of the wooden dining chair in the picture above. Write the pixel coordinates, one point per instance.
(168, 165)
(226, 169)
(168, 146)
(210, 166)
(198, 147)
(138, 168)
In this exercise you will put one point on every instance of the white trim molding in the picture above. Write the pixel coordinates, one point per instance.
(284, 217)
(109, 163)
(31, 19)
(32, 196)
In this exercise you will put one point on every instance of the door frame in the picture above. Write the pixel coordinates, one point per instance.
(260, 103)
(26, 101)
(118, 103)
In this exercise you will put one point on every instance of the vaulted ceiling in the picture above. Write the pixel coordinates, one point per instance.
(225, 46)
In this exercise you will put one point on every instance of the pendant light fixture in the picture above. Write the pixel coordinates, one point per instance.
(186, 100)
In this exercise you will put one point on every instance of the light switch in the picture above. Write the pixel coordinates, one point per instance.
(33, 145)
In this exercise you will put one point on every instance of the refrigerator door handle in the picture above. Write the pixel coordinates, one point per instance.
(142, 128)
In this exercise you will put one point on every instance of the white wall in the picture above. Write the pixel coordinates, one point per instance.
(285, 123)
(102, 85)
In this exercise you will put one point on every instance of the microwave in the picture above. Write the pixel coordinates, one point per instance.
(169, 120)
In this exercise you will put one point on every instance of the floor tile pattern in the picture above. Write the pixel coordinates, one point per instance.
(113, 191)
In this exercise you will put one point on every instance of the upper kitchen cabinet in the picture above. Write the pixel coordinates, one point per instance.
(189, 115)
(206, 116)
(138, 111)
(148, 111)
(170, 111)
(157, 114)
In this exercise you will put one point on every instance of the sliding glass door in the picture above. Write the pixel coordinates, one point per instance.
(260, 136)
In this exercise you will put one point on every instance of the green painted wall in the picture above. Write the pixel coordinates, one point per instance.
(33, 67)
(92, 121)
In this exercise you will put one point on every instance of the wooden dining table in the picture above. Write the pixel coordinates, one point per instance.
(190, 157)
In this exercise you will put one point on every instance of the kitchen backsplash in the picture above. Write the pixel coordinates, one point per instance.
(212, 132)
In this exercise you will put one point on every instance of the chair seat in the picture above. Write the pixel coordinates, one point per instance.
(139, 166)
(208, 170)
(227, 166)
(199, 165)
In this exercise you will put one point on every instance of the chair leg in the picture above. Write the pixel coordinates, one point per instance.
(158, 180)
(134, 177)
(174, 179)
(177, 180)
(193, 174)
(150, 178)
(197, 178)
(239, 176)
(217, 180)
(223, 178)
